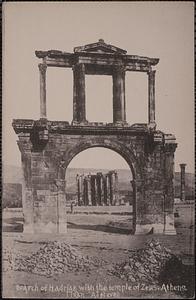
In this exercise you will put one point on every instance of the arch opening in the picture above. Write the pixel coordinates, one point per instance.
(99, 191)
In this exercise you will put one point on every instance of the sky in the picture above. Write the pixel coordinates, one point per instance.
(163, 30)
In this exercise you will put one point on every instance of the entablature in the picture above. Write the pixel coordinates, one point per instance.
(97, 54)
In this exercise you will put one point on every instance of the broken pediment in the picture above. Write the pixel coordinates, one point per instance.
(100, 47)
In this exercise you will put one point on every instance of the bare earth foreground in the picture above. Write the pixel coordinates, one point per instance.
(107, 238)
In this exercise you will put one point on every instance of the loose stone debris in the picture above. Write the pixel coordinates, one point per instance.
(51, 259)
(58, 257)
(143, 264)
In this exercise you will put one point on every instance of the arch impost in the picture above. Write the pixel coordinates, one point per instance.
(60, 183)
(138, 181)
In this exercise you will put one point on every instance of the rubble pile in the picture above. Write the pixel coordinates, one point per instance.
(143, 264)
(53, 258)
(9, 257)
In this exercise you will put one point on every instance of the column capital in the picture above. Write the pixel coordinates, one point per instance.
(151, 72)
(119, 69)
(42, 67)
(78, 66)
(183, 165)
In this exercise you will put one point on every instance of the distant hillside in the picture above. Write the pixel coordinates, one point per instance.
(12, 195)
(13, 174)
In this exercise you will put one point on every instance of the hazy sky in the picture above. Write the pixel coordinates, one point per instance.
(155, 29)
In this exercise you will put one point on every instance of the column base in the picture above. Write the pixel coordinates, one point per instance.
(152, 125)
(79, 123)
(43, 118)
(63, 228)
(156, 228)
(120, 123)
(49, 228)
(28, 228)
(169, 225)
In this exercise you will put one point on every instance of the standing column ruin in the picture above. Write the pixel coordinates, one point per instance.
(85, 194)
(42, 71)
(115, 187)
(97, 189)
(98, 182)
(93, 190)
(78, 189)
(182, 182)
(110, 175)
(105, 194)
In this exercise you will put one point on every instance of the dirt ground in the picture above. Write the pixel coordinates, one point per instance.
(102, 236)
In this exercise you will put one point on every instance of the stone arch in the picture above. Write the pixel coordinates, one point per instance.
(124, 152)
(117, 147)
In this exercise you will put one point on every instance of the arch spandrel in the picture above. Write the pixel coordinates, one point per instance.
(117, 147)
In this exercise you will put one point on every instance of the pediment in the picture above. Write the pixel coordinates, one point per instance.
(100, 47)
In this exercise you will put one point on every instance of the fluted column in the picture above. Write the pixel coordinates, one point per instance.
(105, 189)
(79, 105)
(89, 189)
(119, 109)
(102, 190)
(110, 175)
(98, 181)
(182, 183)
(108, 189)
(93, 190)
(42, 71)
(115, 187)
(86, 200)
(78, 188)
(151, 97)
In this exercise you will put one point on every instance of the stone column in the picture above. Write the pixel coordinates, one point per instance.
(111, 187)
(115, 187)
(102, 190)
(85, 183)
(119, 109)
(78, 188)
(105, 190)
(151, 97)
(108, 189)
(82, 188)
(79, 105)
(182, 182)
(42, 70)
(98, 180)
(89, 190)
(93, 191)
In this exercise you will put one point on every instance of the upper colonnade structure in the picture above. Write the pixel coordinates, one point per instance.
(98, 59)
(47, 147)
